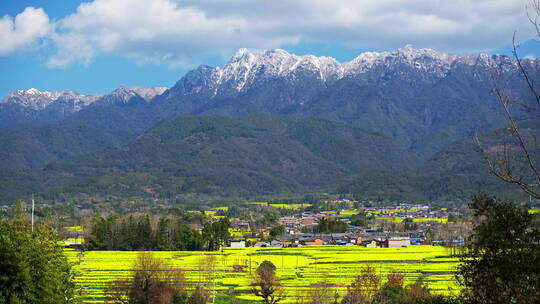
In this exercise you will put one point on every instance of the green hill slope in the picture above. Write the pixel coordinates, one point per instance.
(258, 154)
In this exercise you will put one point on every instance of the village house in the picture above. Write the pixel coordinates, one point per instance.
(242, 225)
(398, 242)
(314, 242)
(238, 244)
(289, 221)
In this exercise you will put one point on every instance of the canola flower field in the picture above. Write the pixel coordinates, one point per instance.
(226, 274)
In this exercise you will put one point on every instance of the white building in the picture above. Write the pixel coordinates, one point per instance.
(398, 242)
(238, 244)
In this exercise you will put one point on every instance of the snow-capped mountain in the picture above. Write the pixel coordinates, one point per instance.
(37, 100)
(409, 94)
(124, 95)
(420, 100)
(248, 67)
(149, 93)
(33, 105)
(419, 90)
(245, 66)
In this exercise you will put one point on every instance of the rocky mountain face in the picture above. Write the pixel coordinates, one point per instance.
(34, 106)
(37, 100)
(124, 95)
(248, 69)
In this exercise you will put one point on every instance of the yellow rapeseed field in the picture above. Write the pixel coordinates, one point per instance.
(297, 268)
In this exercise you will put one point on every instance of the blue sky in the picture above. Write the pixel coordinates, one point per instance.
(96, 45)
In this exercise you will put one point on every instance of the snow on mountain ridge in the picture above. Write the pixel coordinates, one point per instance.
(39, 100)
(247, 65)
(149, 92)
(126, 93)
(123, 93)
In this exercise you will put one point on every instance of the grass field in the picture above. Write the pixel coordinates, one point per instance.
(298, 268)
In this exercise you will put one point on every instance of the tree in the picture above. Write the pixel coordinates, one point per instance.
(277, 230)
(137, 233)
(418, 292)
(366, 289)
(363, 287)
(393, 291)
(33, 268)
(102, 234)
(153, 281)
(145, 239)
(199, 296)
(163, 235)
(502, 261)
(322, 293)
(266, 284)
(359, 219)
(187, 238)
(514, 157)
(394, 278)
(502, 264)
(216, 234)
(330, 225)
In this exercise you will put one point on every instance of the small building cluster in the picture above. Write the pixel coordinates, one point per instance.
(420, 217)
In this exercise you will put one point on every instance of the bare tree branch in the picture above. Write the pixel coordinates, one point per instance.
(515, 160)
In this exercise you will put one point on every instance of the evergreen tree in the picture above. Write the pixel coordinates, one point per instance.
(187, 238)
(144, 234)
(163, 239)
(502, 263)
(33, 268)
(216, 234)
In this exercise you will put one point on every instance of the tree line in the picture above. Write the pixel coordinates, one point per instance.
(141, 233)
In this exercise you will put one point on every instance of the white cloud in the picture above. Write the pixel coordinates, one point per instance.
(24, 30)
(177, 31)
(456, 26)
(157, 30)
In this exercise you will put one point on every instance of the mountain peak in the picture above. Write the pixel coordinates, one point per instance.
(124, 94)
(247, 64)
(409, 51)
(32, 98)
(32, 91)
(244, 54)
(121, 89)
(277, 52)
(149, 92)
(412, 54)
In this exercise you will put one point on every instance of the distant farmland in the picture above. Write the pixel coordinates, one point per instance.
(227, 273)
